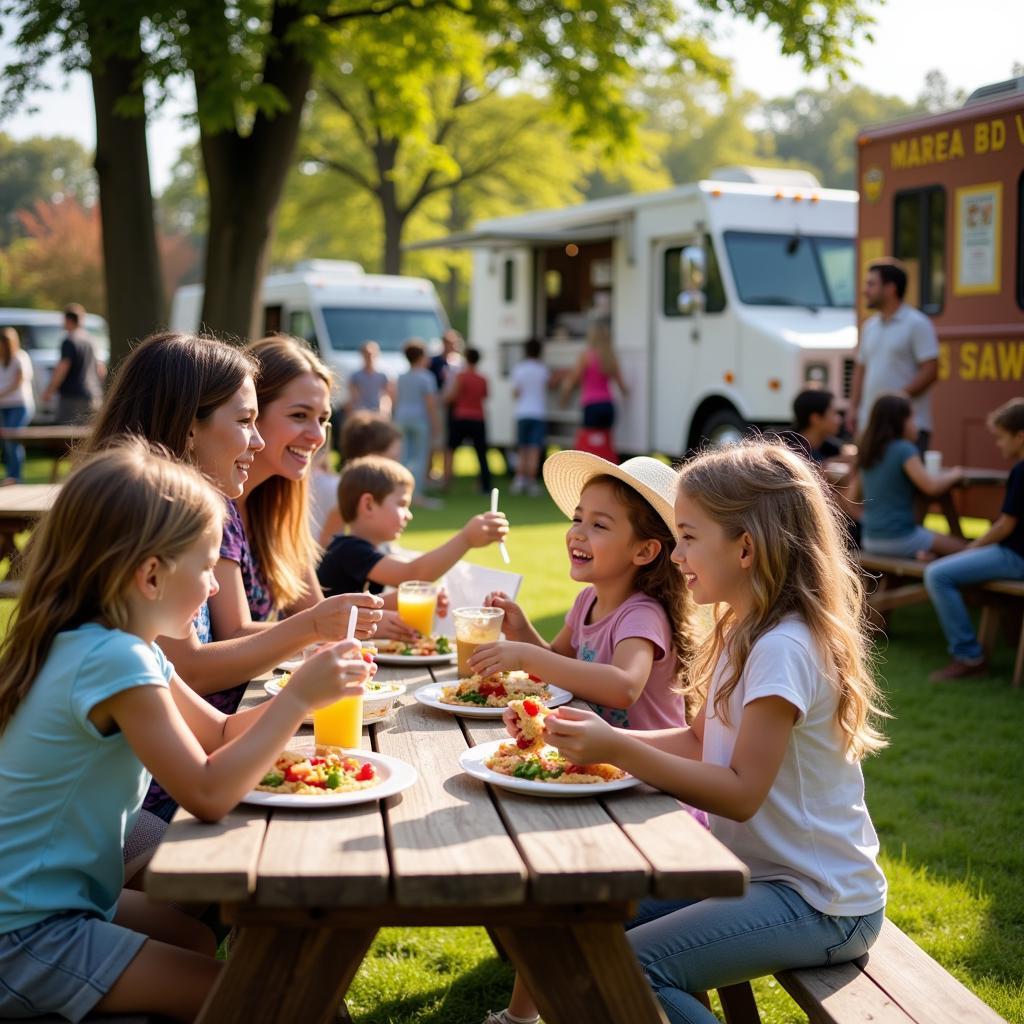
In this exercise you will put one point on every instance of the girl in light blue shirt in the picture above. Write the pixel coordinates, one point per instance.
(89, 707)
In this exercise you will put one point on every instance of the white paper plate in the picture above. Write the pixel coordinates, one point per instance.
(430, 695)
(288, 666)
(395, 775)
(274, 687)
(473, 758)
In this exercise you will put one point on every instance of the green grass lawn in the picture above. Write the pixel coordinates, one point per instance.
(947, 798)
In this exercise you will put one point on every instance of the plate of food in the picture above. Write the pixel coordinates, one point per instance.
(488, 696)
(288, 667)
(330, 778)
(427, 650)
(529, 765)
(380, 701)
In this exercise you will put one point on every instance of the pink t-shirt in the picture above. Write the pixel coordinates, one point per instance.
(659, 707)
(595, 384)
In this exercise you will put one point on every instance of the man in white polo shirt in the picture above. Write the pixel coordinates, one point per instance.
(898, 351)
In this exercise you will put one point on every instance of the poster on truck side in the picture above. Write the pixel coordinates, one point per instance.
(977, 219)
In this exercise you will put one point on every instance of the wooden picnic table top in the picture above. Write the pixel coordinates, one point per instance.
(448, 850)
(27, 502)
(64, 433)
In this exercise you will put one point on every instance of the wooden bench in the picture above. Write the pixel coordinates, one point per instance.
(897, 982)
(996, 596)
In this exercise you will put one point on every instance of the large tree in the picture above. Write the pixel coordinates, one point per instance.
(252, 63)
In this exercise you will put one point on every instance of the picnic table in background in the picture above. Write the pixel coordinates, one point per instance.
(21, 505)
(554, 880)
(58, 440)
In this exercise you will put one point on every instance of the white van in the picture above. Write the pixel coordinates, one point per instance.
(336, 307)
(726, 298)
(41, 331)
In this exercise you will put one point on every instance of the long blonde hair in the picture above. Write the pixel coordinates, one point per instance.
(802, 567)
(599, 338)
(277, 511)
(115, 510)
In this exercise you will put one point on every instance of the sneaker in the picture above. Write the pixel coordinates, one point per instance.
(533, 489)
(501, 1017)
(959, 669)
(518, 486)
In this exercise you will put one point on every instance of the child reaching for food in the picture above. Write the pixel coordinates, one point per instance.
(774, 754)
(630, 632)
(89, 707)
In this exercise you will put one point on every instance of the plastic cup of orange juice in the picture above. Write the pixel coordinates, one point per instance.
(339, 724)
(417, 602)
(473, 627)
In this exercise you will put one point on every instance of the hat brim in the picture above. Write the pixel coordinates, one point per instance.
(566, 473)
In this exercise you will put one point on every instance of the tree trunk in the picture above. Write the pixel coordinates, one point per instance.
(393, 217)
(131, 260)
(246, 176)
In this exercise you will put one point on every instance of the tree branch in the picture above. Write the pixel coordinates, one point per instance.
(342, 104)
(346, 169)
(375, 10)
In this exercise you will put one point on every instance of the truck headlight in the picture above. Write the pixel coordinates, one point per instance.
(816, 373)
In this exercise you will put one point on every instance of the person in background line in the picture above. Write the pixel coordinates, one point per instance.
(17, 403)
(445, 366)
(77, 379)
(898, 351)
(416, 415)
(595, 372)
(530, 381)
(816, 422)
(468, 421)
(369, 389)
(996, 555)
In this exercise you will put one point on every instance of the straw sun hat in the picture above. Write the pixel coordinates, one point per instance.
(566, 473)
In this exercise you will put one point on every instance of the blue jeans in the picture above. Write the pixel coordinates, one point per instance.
(693, 947)
(416, 450)
(14, 454)
(943, 579)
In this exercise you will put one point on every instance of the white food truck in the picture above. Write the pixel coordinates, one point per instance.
(726, 298)
(336, 307)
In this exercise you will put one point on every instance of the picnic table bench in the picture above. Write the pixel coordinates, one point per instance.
(21, 505)
(554, 880)
(996, 596)
(58, 440)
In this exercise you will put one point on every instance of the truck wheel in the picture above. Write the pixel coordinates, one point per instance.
(726, 426)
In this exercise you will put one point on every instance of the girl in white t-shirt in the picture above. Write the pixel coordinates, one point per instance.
(773, 755)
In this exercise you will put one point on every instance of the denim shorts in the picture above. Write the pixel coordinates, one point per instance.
(64, 964)
(532, 433)
(899, 547)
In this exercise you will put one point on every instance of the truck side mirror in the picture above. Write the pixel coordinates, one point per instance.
(691, 276)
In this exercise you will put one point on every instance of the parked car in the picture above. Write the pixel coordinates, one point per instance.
(41, 331)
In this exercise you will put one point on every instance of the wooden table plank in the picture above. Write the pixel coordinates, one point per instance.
(573, 848)
(447, 842)
(688, 862)
(199, 862)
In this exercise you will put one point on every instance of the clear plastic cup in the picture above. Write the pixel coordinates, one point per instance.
(417, 602)
(933, 461)
(473, 627)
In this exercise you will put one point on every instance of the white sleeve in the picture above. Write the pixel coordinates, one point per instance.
(781, 666)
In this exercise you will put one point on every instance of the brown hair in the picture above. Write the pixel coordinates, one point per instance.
(10, 344)
(886, 424)
(115, 510)
(366, 433)
(660, 578)
(1009, 416)
(802, 567)
(414, 350)
(373, 475)
(277, 511)
(164, 385)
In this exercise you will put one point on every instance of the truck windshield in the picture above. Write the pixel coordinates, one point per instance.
(391, 328)
(792, 270)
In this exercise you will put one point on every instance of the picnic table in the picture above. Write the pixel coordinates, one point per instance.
(554, 880)
(21, 505)
(58, 439)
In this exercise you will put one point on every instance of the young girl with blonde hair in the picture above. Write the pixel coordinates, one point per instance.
(89, 706)
(774, 754)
